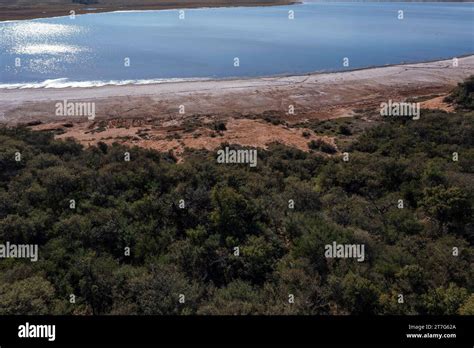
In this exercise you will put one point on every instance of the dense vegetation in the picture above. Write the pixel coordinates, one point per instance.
(190, 250)
(462, 96)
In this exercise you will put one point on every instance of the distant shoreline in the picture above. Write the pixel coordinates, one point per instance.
(12, 13)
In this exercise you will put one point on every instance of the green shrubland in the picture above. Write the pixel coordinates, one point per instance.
(190, 250)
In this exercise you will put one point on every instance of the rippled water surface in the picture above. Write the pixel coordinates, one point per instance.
(93, 49)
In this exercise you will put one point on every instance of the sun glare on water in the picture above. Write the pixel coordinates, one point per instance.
(46, 49)
(45, 41)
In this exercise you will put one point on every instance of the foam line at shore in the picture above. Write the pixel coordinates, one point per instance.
(65, 83)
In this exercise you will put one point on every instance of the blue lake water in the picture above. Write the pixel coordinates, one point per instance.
(92, 49)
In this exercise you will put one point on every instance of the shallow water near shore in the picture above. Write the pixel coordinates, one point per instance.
(94, 49)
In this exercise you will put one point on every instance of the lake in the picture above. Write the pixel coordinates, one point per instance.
(154, 46)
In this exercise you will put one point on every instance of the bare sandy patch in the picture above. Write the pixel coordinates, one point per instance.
(437, 103)
(174, 138)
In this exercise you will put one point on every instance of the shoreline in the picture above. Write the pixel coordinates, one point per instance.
(175, 80)
(11, 13)
(322, 91)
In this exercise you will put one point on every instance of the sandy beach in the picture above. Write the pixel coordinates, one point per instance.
(122, 112)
